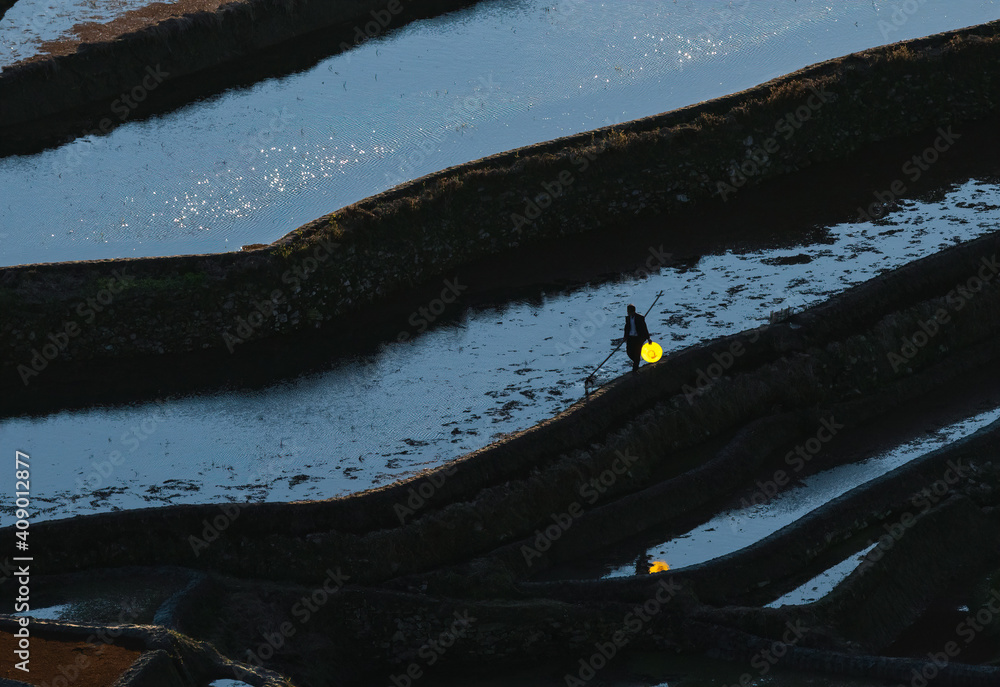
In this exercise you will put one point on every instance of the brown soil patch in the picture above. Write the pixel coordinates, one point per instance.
(97, 664)
(133, 20)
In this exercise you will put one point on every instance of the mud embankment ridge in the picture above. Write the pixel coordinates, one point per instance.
(379, 247)
(477, 543)
(462, 554)
(97, 76)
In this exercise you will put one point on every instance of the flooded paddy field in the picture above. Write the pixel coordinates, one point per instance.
(467, 375)
(251, 164)
(765, 513)
(29, 24)
(480, 374)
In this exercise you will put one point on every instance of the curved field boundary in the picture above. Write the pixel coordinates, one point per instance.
(366, 253)
(501, 494)
(188, 56)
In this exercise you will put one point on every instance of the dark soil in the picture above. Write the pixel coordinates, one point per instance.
(94, 664)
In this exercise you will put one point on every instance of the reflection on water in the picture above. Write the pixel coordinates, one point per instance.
(373, 419)
(733, 530)
(254, 163)
(822, 584)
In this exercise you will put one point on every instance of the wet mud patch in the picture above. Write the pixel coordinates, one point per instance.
(299, 479)
(799, 259)
(505, 412)
(107, 662)
(513, 372)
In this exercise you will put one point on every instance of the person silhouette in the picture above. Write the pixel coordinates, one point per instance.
(635, 332)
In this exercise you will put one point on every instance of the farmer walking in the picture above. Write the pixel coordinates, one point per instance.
(635, 333)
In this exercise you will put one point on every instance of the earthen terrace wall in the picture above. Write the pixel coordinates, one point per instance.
(366, 252)
(197, 44)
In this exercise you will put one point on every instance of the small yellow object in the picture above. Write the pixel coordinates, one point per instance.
(651, 352)
(658, 566)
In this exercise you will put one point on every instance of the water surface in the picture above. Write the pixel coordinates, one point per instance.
(30, 23)
(821, 585)
(372, 419)
(733, 530)
(253, 163)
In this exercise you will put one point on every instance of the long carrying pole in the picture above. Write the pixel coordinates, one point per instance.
(590, 379)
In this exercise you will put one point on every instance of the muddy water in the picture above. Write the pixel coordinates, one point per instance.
(254, 163)
(369, 420)
(30, 23)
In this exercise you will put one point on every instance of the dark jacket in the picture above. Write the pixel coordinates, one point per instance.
(640, 327)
